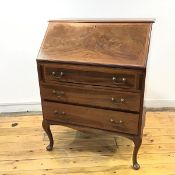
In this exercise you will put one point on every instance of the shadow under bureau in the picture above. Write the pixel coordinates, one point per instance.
(92, 76)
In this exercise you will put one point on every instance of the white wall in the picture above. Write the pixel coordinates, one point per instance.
(23, 24)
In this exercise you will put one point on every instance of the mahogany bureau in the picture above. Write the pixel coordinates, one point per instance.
(92, 76)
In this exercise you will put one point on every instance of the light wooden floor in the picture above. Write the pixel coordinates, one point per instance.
(22, 149)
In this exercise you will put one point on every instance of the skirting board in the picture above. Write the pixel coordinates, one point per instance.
(160, 103)
(36, 106)
(20, 107)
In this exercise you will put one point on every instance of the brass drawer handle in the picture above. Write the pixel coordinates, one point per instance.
(120, 122)
(58, 75)
(59, 113)
(58, 93)
(121, 100)
(116, 81)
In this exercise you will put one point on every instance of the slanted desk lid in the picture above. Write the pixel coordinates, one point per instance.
(120, 43)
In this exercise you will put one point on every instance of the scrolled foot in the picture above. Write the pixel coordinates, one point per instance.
(137, 143)
(46, 128)
(49, 147)
(136, 166)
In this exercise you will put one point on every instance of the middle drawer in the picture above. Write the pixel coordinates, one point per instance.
(92, 96)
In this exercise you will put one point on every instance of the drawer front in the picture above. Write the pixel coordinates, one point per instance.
(92, 75)
(91, 96)
(91, 117)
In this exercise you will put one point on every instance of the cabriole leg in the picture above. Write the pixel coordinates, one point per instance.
(46, 127)
(137, 143)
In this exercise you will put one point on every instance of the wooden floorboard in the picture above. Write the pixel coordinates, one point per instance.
(22, 149)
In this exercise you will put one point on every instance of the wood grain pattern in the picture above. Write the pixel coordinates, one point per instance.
(108, 58)
(81, 153)
(92, 96)
(92, 117)
(92, 75)
(124, 44)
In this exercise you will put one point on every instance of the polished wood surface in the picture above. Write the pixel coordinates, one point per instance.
(121, 44)
(92, 75)
(23, 149)
(95, 118)
(92, 96)
(92, 78)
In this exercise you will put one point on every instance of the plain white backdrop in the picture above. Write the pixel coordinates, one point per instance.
(22, 27)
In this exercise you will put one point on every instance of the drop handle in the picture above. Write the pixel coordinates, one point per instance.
(59, 113)
(119, 80)
(58, 75)
(58, 93)
(121, 100)
(116, 122)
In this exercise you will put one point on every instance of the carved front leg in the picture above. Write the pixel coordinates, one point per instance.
(137, 143)
(46, 127)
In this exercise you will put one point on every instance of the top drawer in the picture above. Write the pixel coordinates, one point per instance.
(92, 75)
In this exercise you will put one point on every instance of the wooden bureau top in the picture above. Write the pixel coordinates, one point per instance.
(111, 43)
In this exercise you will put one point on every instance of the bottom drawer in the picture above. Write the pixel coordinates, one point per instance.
(91, 117)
